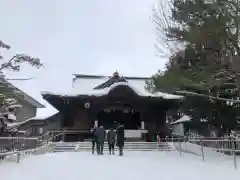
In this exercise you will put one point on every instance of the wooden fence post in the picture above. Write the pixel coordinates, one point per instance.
(202, 151)
(234, 153)
(180, 147)
(18, 157)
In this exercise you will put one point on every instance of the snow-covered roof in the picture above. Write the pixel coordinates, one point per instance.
(41, 118)
(168, 96)
(183, 119)
(105, 91)
(15, 106)
(85, 84)
(20, 93)
(186, 118)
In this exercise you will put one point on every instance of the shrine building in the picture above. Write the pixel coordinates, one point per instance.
(109, 100)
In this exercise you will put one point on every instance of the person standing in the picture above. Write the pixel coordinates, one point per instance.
(111, 140)
(100, 134)
(94, 139)
(158, 141)
(233, 136)
(120, 139)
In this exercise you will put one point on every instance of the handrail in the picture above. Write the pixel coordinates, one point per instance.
(199, 137)
(69, 131)
(19, 138)
(41, 143)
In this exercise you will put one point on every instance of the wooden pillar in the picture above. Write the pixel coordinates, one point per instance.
(143, 120)
(93, 114)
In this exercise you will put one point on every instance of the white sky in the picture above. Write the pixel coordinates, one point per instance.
(79, 36)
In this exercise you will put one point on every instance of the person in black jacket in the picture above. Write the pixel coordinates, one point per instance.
(120, 139)
(111, 140)
(94, 139)
(100, 134)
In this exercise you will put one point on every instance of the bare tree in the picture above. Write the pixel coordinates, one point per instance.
(15, 62)
(162, 20)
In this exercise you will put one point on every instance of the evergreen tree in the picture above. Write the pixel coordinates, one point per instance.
(209, 32)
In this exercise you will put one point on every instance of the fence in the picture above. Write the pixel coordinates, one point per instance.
(15, 147)
(209, 147)
(199, 146)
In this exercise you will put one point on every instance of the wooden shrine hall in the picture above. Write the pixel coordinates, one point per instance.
(109, 100)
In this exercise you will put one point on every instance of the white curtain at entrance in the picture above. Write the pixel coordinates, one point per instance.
(142, 125)
(96, 123)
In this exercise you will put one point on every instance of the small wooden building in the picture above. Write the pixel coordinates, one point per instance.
(37, 126)
(107, 101)
(186, 126)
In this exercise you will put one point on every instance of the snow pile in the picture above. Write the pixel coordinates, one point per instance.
(133, 165)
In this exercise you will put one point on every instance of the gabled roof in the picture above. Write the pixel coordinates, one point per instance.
(114, 79)
(102, 76)
(105, 91)
(20, 94)
(83, 83)
(100, 81)
(108, 83)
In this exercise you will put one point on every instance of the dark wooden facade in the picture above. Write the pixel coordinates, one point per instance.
(80, 112)
(113, 101)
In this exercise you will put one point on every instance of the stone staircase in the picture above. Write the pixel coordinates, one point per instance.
(129, 146)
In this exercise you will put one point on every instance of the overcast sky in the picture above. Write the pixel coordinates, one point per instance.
(79, 36)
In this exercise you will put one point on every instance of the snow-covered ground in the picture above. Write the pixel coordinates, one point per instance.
(133, 165)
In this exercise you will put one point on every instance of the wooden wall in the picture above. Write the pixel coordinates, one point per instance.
(81, 119)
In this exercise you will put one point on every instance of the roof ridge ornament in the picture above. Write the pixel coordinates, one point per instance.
(116, 74)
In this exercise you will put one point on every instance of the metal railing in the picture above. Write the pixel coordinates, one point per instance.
(202, 147)
(22, 146)
(209, 147)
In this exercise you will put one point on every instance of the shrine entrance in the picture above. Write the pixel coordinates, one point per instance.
(125, 115)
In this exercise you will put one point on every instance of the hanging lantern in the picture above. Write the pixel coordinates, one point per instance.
(87, 105)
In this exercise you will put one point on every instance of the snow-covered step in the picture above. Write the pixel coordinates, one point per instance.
(89, 150)
(129, 146)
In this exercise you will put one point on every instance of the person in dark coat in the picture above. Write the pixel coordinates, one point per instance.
(120, 139)
(233, 137)
(100, 134)
(94, 139)
(111, 140)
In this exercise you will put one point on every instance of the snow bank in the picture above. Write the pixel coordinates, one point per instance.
(134, 165)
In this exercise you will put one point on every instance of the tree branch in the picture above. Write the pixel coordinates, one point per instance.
(189, 93)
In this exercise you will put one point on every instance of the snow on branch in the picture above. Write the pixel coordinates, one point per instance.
(189, 93)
